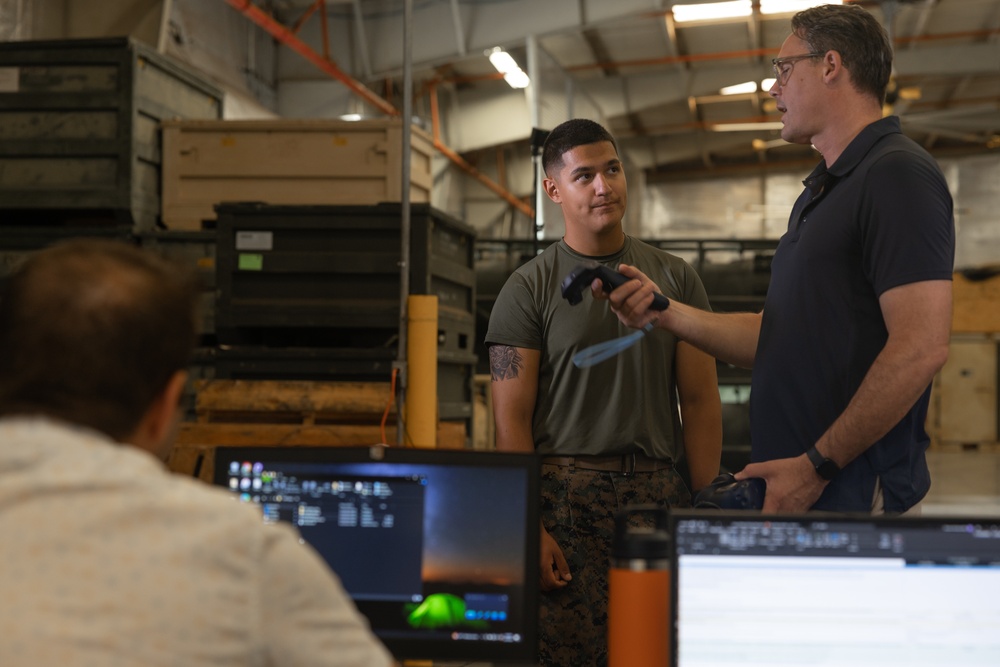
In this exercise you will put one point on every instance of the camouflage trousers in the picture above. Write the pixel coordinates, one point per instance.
(578, 508)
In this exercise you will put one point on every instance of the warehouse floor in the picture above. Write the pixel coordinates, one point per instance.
(963, 483)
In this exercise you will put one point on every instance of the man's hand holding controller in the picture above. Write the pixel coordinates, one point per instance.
(632, 300)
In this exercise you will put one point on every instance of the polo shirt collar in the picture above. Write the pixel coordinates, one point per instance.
(852, 155)
(861, 144)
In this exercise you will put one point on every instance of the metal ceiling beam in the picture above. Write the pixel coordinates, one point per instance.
(288, 38)
(465, 166)
(285, 36)
(922, 18)
(456, 19)
(488, 24)
(660, 82)
(362, 37)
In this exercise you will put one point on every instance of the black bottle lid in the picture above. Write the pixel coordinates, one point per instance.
(647, 542)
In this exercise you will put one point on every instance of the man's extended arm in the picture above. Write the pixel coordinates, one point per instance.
(918, 320)
(514, 386)
(701, 413)
(730, 337)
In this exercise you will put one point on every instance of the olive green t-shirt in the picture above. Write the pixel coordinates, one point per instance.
(626, 403)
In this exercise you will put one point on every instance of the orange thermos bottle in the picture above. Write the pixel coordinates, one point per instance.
(639, 589)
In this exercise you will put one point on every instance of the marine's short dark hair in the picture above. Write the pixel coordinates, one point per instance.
(857, 36)
(567, 136)
(91, 331)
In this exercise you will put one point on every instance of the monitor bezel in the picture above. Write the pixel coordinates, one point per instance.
(430, 648)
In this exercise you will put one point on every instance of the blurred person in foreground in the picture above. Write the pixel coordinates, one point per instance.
(108, 558)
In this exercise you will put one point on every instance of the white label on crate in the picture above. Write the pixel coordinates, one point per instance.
(254, 240)
(9, 79)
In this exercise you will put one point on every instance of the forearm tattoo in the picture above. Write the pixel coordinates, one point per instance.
(505, 362)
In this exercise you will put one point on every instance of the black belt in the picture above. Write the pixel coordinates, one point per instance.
(627, 464)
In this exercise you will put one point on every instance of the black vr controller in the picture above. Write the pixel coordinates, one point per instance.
(727, 493)
(583, 275)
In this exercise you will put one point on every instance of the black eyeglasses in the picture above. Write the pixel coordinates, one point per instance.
(783, 66)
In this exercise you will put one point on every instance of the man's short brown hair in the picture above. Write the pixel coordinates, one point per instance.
(857, 36)
(567, 136)
(91, 331)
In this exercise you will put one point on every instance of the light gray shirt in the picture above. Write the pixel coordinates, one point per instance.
(108, 559)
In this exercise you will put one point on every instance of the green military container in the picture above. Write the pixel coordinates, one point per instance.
(80, 129)
(313, 293)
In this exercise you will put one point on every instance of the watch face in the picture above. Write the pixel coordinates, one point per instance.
(827, 469)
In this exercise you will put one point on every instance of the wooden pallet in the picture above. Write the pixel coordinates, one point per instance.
(266, 413)
(292, 401)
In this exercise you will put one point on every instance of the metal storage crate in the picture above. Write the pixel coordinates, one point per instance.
(196, 252)
(79, 129)
(329, 276)
(19, 243)
(257, 362)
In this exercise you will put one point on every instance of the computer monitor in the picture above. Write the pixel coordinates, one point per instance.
(438, 548)
(752, 590)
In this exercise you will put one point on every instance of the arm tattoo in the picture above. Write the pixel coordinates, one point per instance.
(505, 362)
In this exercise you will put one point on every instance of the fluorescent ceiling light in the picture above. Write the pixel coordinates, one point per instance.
(740, 88)
(790, 6)
(709, 11)
(747, 87)
(517, 79)
(502, 60)
(351, 116)
(506, 65)
(712, 10)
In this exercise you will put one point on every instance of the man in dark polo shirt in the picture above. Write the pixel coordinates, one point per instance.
(858, 313)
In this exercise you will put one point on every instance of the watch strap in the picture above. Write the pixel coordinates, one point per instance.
(825, 468)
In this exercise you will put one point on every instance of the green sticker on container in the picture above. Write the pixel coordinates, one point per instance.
(251, 262)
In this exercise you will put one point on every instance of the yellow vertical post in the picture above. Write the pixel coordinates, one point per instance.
(421, 407)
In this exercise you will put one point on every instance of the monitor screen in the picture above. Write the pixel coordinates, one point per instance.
(750, 589)
(438, 548)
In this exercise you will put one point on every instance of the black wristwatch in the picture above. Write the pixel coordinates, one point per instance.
(825, 468)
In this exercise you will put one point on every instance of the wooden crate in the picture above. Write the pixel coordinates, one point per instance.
(308, 162)
(270, 413)
(961, 447)
(964, 401)
(976, 305)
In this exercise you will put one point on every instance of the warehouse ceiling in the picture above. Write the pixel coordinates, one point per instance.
(654, 81)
